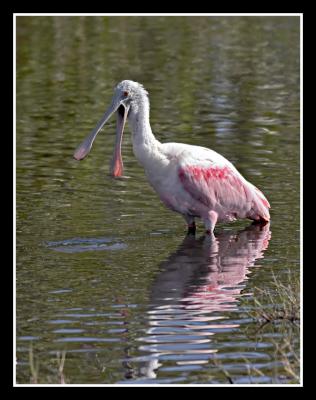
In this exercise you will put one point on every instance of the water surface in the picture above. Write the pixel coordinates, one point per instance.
(105, 275)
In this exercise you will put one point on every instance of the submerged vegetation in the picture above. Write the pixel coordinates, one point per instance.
(283, 302)
(276, 316)
(282, 312)
(56, 373)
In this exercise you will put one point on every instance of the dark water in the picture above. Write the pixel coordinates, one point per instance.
(105, 275)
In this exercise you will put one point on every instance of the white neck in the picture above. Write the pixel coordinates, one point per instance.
(144, 142)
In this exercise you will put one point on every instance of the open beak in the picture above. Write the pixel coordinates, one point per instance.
(116, 167)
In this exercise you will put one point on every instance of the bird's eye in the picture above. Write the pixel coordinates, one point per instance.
(125, 94)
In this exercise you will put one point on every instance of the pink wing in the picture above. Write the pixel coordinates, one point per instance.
(223, 189)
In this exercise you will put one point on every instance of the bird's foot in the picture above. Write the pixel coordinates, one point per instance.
(260, 221)
(210, 222)
(191, 229)
(209, 235)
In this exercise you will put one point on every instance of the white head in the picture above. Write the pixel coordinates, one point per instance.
(134, 95)
(135, 91)
(127, 100)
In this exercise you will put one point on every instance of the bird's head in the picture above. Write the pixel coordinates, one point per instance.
(127, 96)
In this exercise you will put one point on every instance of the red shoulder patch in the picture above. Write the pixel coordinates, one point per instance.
(199, 173)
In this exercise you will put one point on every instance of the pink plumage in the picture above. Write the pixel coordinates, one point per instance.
(226, 192)
(206, 185)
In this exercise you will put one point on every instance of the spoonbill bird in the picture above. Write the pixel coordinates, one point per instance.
(191, 180)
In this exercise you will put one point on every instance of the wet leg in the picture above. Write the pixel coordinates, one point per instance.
(210, 221)
(191, 224)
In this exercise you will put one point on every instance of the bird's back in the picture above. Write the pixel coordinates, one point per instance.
(214, 181)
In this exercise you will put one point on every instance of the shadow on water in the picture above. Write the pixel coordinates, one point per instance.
(200, 282)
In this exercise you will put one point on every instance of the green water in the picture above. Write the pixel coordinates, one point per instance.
(104, 273)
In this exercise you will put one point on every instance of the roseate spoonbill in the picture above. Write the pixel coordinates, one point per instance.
(191, 180)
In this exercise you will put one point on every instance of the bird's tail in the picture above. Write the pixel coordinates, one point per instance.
(260, 207)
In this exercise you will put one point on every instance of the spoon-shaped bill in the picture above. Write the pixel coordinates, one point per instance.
(84, 148)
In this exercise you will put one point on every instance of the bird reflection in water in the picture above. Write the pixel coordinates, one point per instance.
(196, 286)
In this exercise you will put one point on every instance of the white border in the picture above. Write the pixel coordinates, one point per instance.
(14, 196)
(159, 14)
(14, 202)
(301, 197)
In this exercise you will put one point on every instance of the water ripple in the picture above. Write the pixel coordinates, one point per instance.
(79, 245)
(208, 276)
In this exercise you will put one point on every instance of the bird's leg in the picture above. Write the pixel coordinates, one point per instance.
(260, 221)
(191, 224)
(210, 222)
